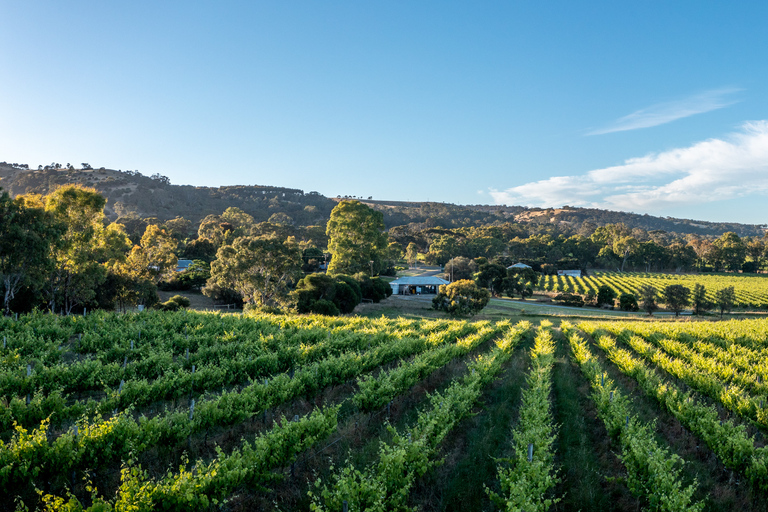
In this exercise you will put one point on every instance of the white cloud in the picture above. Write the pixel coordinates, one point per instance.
(708, 171)
(663, 113)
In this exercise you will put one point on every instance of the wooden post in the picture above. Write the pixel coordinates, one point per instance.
(192, 410)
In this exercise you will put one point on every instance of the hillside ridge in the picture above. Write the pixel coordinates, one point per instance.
(130, 193)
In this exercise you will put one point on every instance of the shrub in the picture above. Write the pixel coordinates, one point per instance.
(569, 299)
(461, 298)
(175, 303)
(605, 295)
(325, 307)
(628, 302)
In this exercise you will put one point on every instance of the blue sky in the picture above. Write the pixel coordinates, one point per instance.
(650, 107)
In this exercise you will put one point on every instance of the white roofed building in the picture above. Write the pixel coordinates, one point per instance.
(416, 285)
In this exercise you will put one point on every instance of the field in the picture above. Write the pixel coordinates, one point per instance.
(751, 290)
(204, 411)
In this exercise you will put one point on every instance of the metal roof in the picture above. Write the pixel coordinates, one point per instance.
(419, 281)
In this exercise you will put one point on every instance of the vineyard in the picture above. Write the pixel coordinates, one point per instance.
(751, 290)
(191, 411)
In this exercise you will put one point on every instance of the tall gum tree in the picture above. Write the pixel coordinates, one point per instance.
(27, 233)
(356, 239)
(86, 247)
(261, 269)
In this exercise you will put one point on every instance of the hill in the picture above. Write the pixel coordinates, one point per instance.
(130, 193)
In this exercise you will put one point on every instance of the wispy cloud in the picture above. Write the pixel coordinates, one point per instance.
(663, 113)
(708, 171)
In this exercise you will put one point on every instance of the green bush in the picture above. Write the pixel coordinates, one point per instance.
(605, 295)
(569, 299)
(628, 302)
(175, 303)
(325, 307)
(461, 298)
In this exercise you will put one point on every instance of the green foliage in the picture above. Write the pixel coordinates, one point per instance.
(324, 307)
(386, 485)
(27, 235)
(460, 268)
(373, 289)
(605, 295)
(261, 269)
(525, 484)
(569, 299)
(653, 473)
(175, 303)
(648, 297)
(728, 439)
(491, 276)
(356, 239)
(343, 292)
(699, 299)
(628, 302)
(461, 298)
(725, 298)
(676, 297)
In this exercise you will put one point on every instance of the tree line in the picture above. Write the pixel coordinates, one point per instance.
(60, 253)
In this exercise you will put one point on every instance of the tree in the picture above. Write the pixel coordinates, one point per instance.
(725, 298)
(411, 254)
(461, 298)
(27, 235)
(155, 256)
(628, 302)
(443, 248)
(676, 297)
(699, 299)
(605, 295)
(261, 269)
(460, 268)
(491, 276)
(355, 239)
(179, 228)
(520, 281)
(85, 246)
(648, 296)
(623, 247)
(730, 250)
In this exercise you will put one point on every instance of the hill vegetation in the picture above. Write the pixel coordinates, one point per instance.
(130, 193)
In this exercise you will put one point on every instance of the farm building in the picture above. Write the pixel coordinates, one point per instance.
(518, 265)
(416, 285)
(571, 273)
(183, 265)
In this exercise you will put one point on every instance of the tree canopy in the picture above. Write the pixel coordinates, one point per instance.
(356, 239)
